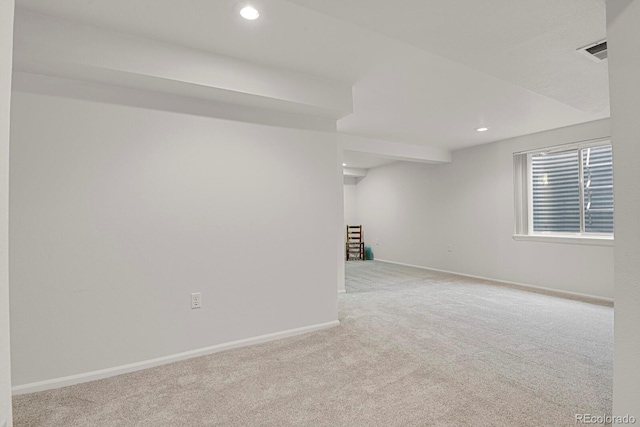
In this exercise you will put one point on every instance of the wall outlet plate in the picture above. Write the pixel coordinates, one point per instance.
(196, 300)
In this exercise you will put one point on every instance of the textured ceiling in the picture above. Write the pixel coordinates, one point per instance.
(529, 43)
(423, 72)
(285, 35)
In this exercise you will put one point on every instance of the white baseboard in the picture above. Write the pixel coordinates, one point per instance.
(506, 282)
(118, 370)
(342, 291)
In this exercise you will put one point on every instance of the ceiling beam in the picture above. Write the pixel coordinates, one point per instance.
(354, 172)
(394, 150)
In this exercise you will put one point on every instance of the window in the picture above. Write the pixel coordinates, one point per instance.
(565, 191)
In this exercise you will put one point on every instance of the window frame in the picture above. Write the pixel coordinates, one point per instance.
(523, 198)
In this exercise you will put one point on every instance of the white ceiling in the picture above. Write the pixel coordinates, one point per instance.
(424, 72)
(531, 44)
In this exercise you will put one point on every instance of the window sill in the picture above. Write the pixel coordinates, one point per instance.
(566, 239)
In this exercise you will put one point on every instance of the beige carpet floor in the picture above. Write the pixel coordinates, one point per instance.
(414, 348)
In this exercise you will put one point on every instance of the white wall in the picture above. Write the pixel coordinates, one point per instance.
(350, 218)
(350, 202)
(341, 236)
(416, 211)
(623, 36)
(6, 46)
(119, 213)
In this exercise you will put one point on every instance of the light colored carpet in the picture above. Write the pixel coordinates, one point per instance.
(415, 348)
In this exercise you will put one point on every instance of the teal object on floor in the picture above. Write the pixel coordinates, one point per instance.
(368, 253)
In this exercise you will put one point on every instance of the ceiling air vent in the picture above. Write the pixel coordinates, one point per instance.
(595, 51)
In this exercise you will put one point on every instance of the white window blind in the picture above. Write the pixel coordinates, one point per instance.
(597, 170)
(564, 190)
(556, 192)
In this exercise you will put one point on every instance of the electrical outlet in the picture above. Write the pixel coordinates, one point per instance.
(377, 241)
(449, 248)
(196, 300)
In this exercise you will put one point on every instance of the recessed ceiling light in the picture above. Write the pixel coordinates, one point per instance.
(344, 164)
(482, 129)
(249, 13)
